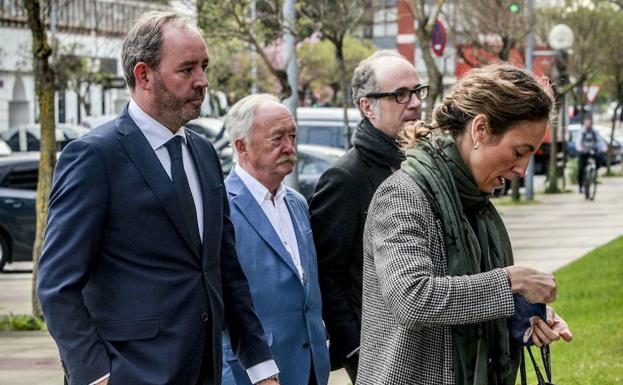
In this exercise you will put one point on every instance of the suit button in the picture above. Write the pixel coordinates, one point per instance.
(306, 308)
(204, 317)
(306, 345)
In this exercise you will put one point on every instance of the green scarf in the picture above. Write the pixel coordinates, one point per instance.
(476, 241)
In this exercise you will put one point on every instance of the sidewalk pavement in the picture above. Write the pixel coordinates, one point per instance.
(546, 236)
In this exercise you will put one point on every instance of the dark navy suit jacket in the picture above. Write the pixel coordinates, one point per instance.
(123, 289)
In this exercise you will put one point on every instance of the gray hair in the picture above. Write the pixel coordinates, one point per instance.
(144, 41)
(364, 79)
(239, 118)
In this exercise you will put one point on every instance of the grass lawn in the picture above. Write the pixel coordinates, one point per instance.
(590, 299)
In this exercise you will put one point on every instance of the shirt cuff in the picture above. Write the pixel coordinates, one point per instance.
(262, 371)
(349, 355)
(100, 379)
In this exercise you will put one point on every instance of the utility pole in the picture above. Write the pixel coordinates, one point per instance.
(529, 177)
(289, 55)
(253, 53)
(289, 58)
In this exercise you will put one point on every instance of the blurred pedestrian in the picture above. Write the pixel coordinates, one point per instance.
(587, 146)
(438, 274)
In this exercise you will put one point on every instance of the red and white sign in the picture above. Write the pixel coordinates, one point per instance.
(591, 93)
(438, 38)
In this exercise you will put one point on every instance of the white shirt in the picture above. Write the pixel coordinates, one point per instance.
(277, 213)
(158, 135)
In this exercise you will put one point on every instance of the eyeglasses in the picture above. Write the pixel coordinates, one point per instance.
(403, 95)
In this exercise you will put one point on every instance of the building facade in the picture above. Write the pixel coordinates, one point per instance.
(87, 36)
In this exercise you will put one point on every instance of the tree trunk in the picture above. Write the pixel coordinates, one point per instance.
(434, 75)
(339, 55)
(44, 83)
(508, 44)
(614, 122)
(280, 74)
(552, 169)
(515, 182)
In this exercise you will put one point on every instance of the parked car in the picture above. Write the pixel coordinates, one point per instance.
(91, 122)
(325, 126)
(28, 137)
(313, 160)
(18, 183)
(211, 128)
(4, 148)
(603, 142)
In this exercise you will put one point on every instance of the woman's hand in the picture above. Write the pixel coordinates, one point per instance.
(534, 285)
(546, 332)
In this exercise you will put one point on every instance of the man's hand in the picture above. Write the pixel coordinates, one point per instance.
(544, 333)
(103, 382)
(534, 285)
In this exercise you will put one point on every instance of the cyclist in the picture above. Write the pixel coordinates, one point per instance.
(585, 144)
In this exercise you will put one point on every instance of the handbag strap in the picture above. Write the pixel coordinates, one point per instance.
(545, 357)
(547, 364)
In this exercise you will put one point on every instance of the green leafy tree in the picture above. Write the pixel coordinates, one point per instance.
(318, 66)
(44, 84)
(231, 20)
(230, 70)
(334, 19)
(611, 65)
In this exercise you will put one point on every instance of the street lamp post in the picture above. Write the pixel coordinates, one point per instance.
(529, 177)
(561, 39)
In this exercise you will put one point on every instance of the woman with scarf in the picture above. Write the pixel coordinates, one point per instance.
(438, 274)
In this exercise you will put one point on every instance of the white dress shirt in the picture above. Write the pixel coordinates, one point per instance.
(158, 135)
(277, 213)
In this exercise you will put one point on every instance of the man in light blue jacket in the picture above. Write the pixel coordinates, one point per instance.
(274, 243)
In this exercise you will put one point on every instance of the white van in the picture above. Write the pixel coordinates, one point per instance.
(325, 125)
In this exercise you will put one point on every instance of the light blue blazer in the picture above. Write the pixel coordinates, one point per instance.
(290, 310)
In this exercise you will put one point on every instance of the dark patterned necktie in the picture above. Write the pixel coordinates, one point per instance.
(180, 181)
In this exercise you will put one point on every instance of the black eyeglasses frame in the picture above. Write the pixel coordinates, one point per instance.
(418, 90)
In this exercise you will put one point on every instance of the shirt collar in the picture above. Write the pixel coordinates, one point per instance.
(259, 192)
(157, 134)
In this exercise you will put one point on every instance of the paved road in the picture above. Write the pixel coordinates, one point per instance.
(546, 236)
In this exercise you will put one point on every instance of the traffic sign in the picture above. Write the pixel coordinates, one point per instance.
(438, 38)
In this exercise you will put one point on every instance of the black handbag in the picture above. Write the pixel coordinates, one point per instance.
(547, 365)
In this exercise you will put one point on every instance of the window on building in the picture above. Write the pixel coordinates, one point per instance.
(385, 19)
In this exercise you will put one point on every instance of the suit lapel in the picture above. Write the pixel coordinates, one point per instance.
(149, 166)
(300, 240)
(253, 213)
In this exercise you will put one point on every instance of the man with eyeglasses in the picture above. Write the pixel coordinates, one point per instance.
(388, 93)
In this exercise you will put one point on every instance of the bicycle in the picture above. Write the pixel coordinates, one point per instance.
(590, 176)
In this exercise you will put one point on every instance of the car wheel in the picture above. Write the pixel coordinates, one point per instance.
(4, 252)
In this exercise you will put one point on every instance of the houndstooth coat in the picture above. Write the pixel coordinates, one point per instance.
(409, 304)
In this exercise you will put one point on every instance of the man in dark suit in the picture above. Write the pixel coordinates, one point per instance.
(139, 272)
(388, 93)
